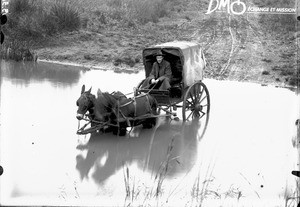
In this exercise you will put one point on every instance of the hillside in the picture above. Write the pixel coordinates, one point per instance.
(256, 47)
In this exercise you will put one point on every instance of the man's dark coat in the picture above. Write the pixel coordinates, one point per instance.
(161, 71)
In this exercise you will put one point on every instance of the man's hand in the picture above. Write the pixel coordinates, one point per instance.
(153, 81)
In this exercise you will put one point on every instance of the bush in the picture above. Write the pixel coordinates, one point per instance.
(23, 22)
(48, 24)
(66, 16)
(127, 13)
(266, 60)
(29, 27)
(294, 81)
(277, 24)
(29, 19)
(115, 3)
(149, 11)
(265, 72)
(141, 11)
(30, 22)
(18, 7)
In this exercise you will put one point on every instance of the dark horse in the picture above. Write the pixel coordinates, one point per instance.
(100, 111)
(117, 110)
(85, 104)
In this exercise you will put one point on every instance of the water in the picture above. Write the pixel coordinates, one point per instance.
(245, 157)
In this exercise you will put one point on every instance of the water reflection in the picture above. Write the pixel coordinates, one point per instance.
(148, 148)
(39, 71)
(38, 141)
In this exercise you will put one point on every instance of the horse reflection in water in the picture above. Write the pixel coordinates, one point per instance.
(106, 154)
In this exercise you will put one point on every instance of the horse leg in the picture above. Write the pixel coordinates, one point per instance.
(154, 110)
(150, 122)
(121, 130)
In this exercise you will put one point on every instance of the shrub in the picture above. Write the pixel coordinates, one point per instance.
(18, 7)
(277, 24)
(141, 11)
(149, 11)
(48, 24)
(266, 60)
(294, 81)
(287, 72)
(29, 19)
(265, 72)
(128, 13)
(29, 27)
(115, 3)
(65, 15)
(30, 22)
(23, 22)
(276, 67)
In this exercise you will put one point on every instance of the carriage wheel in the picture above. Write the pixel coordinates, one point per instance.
(196, 103)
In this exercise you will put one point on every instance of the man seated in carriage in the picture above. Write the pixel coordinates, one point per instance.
(160, 75)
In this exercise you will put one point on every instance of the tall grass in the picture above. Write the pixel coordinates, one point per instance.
(65, 16)
(31, 22)
(32, 19)
(277, 24)
(155, 190)
(128, 13)
(145, 11)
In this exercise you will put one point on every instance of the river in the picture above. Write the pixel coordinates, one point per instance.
(245, 158)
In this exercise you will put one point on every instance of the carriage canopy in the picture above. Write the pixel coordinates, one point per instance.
(186, 58)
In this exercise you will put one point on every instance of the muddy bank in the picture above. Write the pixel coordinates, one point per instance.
(99, 66)
(254, 58)
(253, 47)
(139, 67)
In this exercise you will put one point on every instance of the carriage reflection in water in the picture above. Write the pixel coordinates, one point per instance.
(115, 112)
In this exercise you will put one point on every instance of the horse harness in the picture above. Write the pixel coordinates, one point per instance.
(133, 100)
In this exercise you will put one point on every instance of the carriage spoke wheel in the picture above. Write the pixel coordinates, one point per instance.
(196, 103)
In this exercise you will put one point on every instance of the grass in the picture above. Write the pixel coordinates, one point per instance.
(266, 60)
(155, 190)
(30, 23)
(65, 16)
(203, 189)
(116, 31)
(265, 72)
(36, 22)
(34, 19)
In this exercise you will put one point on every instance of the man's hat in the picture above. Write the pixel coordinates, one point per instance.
(159, 53)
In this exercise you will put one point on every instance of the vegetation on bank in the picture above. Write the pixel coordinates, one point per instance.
(35, 23)
(95, 31)
(31, 22)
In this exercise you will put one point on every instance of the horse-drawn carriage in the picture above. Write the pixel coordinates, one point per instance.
(117, 112)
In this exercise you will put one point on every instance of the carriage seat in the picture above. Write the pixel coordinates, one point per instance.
(176, 87)
(176, 79)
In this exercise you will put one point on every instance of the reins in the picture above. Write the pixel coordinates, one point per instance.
(111, 106)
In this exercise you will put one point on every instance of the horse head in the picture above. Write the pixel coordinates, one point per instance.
(106, 104)
(103, 106)
(85, 103)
